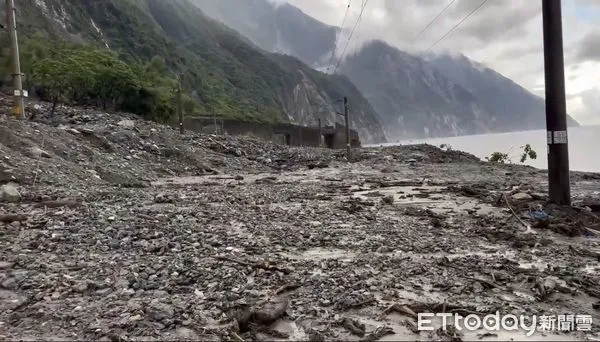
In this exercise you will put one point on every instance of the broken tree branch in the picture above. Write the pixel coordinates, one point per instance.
(377, 334)
(513, 212)
(401, 309)
(354, 326)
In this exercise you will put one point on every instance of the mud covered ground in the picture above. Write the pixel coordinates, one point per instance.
(125, 230)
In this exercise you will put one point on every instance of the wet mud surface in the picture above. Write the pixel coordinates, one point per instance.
(280, 244)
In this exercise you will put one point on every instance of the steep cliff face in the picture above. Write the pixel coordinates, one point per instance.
(441, 95)
(513, 105)
(225, 71)
(413, 99)
(317, 96)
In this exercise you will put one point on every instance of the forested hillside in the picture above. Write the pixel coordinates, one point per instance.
(220, 69)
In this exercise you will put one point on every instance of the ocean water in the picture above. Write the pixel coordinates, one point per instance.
(584, 146)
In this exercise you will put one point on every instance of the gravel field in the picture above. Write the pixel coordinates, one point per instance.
(113, 228)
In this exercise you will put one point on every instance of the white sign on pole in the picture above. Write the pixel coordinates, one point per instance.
(18, 93)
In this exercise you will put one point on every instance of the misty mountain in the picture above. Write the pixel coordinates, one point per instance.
(440, 95)
(224, 70)
(277, 28)
(430, 97)
(497, 93)
(412, 98)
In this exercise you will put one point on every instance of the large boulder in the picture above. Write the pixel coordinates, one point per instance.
(9, 193)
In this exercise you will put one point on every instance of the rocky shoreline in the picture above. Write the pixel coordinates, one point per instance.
(122, 229)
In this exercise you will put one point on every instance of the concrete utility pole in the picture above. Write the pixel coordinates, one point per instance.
(179, 105)
(320, 132)
(215, 122)
(556, 108)
(346, 110)
(11, 26)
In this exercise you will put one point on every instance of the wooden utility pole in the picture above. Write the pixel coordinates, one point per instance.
(347, 128)
(179, 105)
(11, 26)
(556, 108)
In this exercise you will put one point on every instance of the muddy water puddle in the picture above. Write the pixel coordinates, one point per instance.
(309, 176)
(591, 269)
(229, 179)
(459, 254)
(523, 260)
(319, 254)
(429, 197)
(10, 299)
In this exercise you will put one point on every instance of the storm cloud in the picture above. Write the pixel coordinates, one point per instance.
(589, 46)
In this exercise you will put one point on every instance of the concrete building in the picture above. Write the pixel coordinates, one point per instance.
(288, 134)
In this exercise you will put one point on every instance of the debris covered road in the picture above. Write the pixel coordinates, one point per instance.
(121, 229)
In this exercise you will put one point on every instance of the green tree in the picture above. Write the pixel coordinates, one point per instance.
(498, 157)
(528, 152)
(31, 50)
(81, 74)
(51, 75)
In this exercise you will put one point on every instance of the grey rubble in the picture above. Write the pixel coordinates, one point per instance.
(134, 232)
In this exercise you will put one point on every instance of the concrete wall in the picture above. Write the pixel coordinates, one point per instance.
(339, 136)
(293, 134)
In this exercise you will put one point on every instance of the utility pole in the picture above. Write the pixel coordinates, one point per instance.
(179, 105)
(215, 122)
(11, 26)
(320, 132)
(556, 108)
(347, 128)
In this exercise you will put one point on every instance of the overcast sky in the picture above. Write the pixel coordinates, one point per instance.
(506, 35)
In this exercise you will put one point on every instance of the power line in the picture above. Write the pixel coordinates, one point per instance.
(360, 22)
(338, 38)
(362, 10)
(455, 26)
(433, 21)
